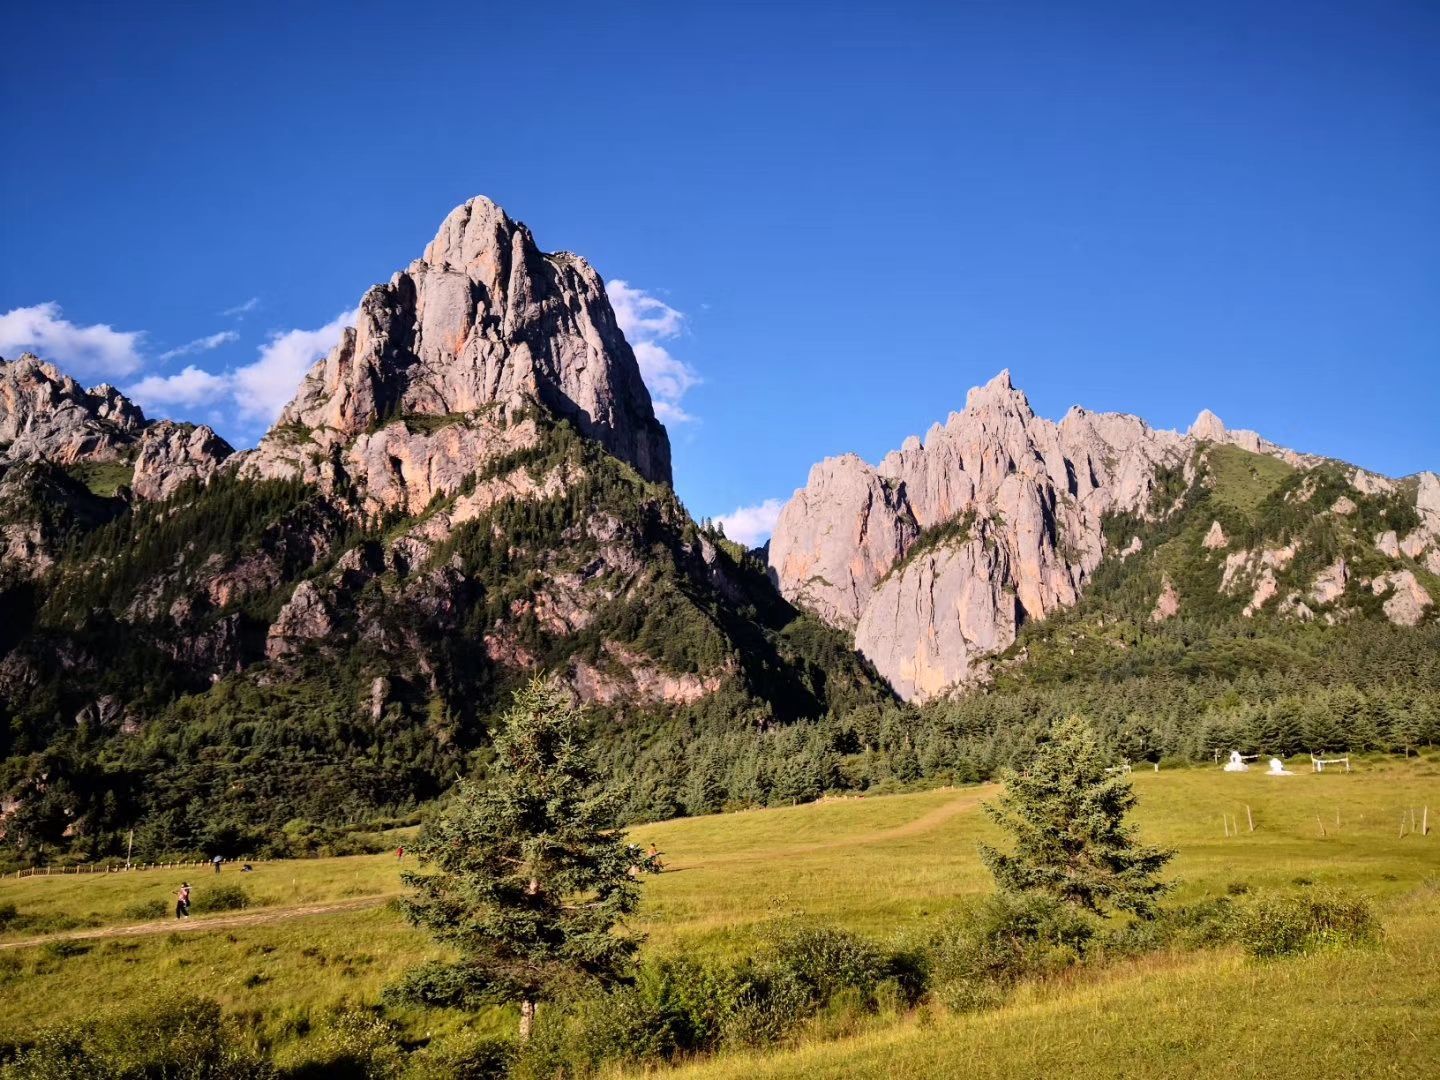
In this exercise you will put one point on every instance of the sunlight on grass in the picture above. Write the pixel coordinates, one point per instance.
(883, 866)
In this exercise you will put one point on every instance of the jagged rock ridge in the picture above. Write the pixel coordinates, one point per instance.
(938, 555)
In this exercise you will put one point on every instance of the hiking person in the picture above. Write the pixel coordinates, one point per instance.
(400, 854)
(217, 861)
(182, 901)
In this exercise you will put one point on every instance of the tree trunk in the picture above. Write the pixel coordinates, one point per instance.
(527, 1019)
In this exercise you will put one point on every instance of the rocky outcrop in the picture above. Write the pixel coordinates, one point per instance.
(1210, 428)
(454, 350)
(1167, 604)
(1013, 504)
(45, 415)
(631, 677)
(941, 552)
(1330, 583)
(172, 454)
(1407, 599)
(837, 538)
(306, 617)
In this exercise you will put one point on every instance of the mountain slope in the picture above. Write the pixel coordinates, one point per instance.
(470, 488)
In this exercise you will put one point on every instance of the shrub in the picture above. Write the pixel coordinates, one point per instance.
(1304, 922)
(478, 1057)
(825, 960)
(1203, 925)
(975, 956)
(143, 910)
(222, 898)
(174, 1039)
(356, 1045)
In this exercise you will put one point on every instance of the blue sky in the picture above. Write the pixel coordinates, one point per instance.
(832, 218)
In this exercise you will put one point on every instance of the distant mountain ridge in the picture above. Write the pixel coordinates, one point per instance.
(937, 556)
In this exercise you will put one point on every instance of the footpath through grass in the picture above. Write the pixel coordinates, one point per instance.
(882, 866)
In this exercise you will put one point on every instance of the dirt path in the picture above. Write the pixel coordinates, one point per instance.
(963, 803)
(190, 926)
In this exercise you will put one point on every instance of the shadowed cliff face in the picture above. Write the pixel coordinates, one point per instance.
(483, 323)
(938, 555)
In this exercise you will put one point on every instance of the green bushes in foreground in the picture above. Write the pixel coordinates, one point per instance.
(1305, 922)
(175, 1039)
(807, 978)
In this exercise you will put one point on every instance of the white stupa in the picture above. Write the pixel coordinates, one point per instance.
(1236, 763)
(1277, 768)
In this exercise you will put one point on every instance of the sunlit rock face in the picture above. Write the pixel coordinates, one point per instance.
(481, 328)
(1024, 498)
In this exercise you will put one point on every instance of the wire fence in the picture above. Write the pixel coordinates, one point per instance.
(115, 868)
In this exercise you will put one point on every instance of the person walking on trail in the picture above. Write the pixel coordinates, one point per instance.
(217, 861)
(182, 901)
(400, 854)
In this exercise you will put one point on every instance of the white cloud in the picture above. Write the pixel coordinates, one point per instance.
(204, 344)
(255, 392)
(86, 351)
(751, 525)
(190, 388)
(641, 314)
(263, 388)
(646, 321)
(239, 311)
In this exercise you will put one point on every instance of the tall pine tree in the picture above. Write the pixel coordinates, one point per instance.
(524, 878)
(1067, 817)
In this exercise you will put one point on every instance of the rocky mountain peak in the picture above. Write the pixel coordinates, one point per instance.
(936, 556)
(484, 320)
(999, 395)
(46, 414)
(1208, 426)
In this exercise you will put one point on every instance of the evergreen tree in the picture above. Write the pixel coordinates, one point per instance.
(1067, 817)
(524, 878)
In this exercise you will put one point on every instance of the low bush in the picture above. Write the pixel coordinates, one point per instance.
(15, 921)
(677, 1006)
(977, 955)
(221, 898)
(174, 1039)
(354, 1044)
(472, 1057)
(1319, 918)
(143, 910)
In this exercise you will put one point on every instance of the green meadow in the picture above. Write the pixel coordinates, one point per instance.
(883, 866)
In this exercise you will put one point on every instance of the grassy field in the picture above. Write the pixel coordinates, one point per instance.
(117, 899)
(883, 866)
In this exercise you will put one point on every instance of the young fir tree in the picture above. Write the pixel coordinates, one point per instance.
(524, 878)
(1067, 817)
